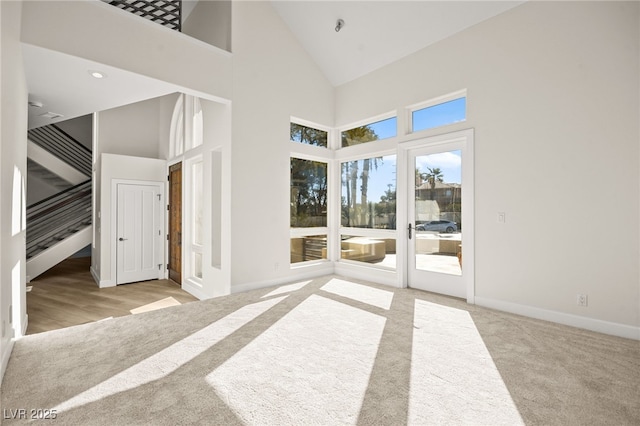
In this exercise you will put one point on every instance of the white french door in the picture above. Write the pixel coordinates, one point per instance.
(440, 215)
(140, 225)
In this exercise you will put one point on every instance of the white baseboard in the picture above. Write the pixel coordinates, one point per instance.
(194, 290)
(600, 326)
(25, 324)
(297, 273)
(5, 358)
(375, 275)
(101, 283)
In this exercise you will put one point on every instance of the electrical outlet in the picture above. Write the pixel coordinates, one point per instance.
(582, 300)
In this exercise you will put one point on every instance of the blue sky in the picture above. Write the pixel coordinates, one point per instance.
(450, 163)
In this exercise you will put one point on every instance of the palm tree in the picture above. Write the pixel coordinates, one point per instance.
(434, 175)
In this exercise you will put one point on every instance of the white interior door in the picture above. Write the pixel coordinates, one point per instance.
(440, 216)
(139, 233)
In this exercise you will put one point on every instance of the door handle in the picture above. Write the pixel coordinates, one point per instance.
(410, 229)
(122, 239)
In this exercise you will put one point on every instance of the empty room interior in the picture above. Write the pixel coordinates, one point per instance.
(320, 212)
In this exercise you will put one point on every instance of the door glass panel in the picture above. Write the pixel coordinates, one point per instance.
(438, 206)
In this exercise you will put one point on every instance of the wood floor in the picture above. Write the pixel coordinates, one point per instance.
(67, 295)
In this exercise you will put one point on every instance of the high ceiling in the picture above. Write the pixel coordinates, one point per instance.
(377, 33)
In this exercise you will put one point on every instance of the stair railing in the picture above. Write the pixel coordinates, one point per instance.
(57, 142)
(54, 218)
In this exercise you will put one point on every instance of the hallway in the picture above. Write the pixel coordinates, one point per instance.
(67, 295)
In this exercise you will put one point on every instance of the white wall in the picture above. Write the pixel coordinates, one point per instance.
(13, 154)
(273, 79)
(167, 55)
(210, 21)
(553, 97)
(79, 128)
(132, 129)
(39, 189)
(112, 167)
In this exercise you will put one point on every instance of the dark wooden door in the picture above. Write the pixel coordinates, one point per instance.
(175, 223)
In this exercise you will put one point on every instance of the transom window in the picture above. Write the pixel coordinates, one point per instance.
(308, 135)
(436, 114)
(383, 129)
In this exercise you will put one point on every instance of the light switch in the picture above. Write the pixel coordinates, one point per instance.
(501, 217)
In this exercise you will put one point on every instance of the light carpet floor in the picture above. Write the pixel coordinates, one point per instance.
(329, 351)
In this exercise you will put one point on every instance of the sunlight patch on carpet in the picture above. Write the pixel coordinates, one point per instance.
(453, 378)
(361, 293)
(168, 360)
(163, 303)
(311, 366)
(286, 289)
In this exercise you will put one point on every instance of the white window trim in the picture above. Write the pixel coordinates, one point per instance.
(189, 247)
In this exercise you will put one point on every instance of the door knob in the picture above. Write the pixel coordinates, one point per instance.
(122, 239)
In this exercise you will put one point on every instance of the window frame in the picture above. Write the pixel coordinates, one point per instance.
(302, 151)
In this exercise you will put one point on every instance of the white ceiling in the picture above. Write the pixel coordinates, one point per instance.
(63, 85)
(377, 33)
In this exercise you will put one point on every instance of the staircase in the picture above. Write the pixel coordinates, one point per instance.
(59, 225)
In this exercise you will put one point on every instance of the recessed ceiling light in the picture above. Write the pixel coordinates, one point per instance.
(97, 74)
(51, 115)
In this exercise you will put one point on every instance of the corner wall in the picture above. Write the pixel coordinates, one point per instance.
(13, 159)
(273, 79)
(553, 97)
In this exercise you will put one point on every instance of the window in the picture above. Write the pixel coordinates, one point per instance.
(308, 135)
(371, 132)
(308, 210)
(197, 197)
(310, 247)
(440, 114)
(369, 193)
(308, 193)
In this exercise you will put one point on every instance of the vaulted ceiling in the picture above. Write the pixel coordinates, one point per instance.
(375, 33)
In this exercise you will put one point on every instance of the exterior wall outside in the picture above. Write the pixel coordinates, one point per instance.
(551, 102)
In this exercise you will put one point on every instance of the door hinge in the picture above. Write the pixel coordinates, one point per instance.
(168, 178)
(159, 266)
(167, 266)
(167, 237)
(167, 207)
(159, 197)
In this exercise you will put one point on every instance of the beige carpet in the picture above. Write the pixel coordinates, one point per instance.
(330, 351)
